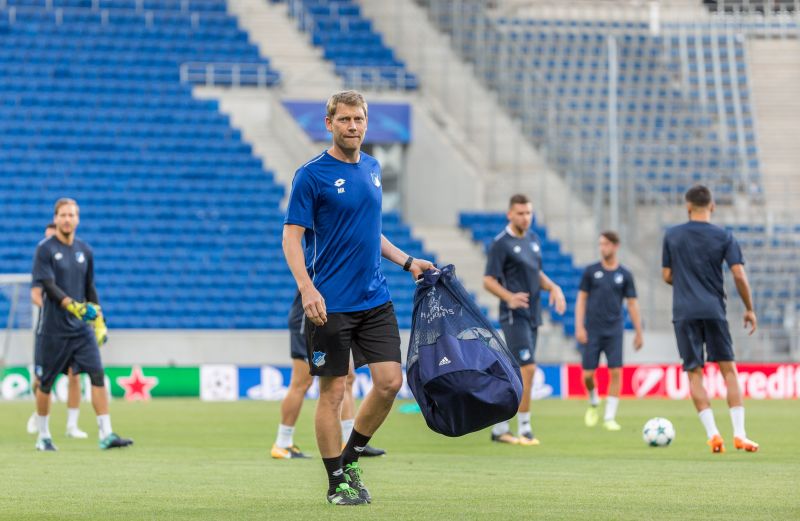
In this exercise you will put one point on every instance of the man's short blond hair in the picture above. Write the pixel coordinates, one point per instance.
(65, 201)
(348, 97)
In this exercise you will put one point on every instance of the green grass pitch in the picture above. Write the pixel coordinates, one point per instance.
(210, 461)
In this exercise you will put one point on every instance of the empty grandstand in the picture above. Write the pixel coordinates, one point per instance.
(180, 213)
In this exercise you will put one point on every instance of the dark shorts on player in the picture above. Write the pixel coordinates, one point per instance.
(37, 341)
(297, 339)
(521, 335)
(56, 354)
(372, 335)
(611, 345)
(692, 335)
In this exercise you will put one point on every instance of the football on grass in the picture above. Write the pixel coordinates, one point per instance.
(658, 432)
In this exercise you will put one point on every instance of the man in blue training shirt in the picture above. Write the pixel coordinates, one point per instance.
(335, 203)
(599, 325)
(64, 267)
(514, 275)
(692, 263)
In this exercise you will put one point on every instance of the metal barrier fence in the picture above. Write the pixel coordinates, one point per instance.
(228, 74)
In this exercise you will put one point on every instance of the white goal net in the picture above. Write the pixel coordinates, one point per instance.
(18, 316)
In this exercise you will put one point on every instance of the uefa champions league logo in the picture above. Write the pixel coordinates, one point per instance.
(435, 308)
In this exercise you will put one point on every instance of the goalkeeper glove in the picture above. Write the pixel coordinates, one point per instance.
(100, 329)
(84, 311)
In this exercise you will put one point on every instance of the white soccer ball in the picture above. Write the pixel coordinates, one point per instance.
(658, 432)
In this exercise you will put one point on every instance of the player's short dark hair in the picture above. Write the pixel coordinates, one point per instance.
(518, 199)
(352, 98)
(699, 195)
(65, 201)
(50, 226)
(611, 236)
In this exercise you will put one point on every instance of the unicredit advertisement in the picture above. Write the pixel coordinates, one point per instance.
(758, 381)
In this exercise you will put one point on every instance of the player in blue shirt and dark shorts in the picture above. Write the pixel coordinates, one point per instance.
(514, 275)
(599, 325)
(64, 267)
(335, 204)
(301, 380)
(692, 263)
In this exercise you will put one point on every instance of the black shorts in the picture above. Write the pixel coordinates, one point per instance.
(297, 339)
(36, 342)
(692, 335)
(521, 335)
(56, 354)
(372, 335)
(611, 345)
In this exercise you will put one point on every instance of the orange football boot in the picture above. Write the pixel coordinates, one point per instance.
(745, 444)
(717, 444)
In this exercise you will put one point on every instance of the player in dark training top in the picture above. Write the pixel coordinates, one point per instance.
(514, 275)
(335, 203)
(692, 260)
(599, 325)
(64, 267)
(74, 382)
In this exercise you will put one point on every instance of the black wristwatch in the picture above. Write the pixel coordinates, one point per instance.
(407, 265)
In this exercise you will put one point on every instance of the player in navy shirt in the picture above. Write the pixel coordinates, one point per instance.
(599, 325)
(335, 203)
(692, 263)
(514, 275)
(74, 385)
(64, 266)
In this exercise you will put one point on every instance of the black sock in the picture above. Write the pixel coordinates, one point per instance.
(333, 467)
(355, 446)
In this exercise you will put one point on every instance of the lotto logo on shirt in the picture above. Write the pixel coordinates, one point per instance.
(339, 184)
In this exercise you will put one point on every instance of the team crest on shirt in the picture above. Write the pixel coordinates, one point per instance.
(58, 256)
(598, 274)
(80, 257)
(535, 247)
(339, 184)
(618, 278)
(318, 359)
(376, 180)
(517, 249)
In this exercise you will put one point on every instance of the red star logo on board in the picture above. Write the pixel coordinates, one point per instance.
(137, 386)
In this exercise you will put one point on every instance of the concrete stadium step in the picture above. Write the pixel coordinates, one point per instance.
(775, 77)
(304, 73)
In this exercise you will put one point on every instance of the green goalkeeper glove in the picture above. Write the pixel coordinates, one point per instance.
(100, 329)
(84, 311)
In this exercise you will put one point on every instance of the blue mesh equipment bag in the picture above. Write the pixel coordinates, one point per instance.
(458, 368)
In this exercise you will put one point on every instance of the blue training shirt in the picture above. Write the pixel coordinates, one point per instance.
(339, 205)
(607, 289)
(516, 262)
(695, 252)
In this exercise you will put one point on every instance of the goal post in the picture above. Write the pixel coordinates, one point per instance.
(19, 316)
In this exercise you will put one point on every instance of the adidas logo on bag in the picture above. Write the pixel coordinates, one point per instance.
(444, 361)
